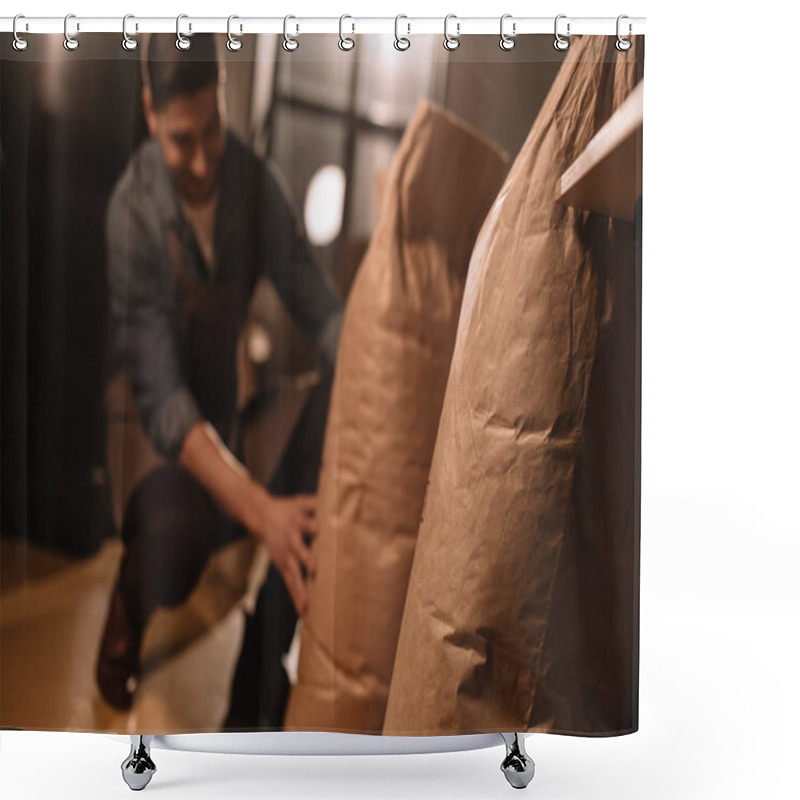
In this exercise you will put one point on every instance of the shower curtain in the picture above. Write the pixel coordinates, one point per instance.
(320, 385)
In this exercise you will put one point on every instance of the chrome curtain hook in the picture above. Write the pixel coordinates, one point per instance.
(70, 42)
(451, 42)
(290, 43)
(182, 42)
(561, 43)
(128, 42)
(19, 43)
(506, 41)
(345, 42)
(401, 42)
(623, 44)
(234, 44)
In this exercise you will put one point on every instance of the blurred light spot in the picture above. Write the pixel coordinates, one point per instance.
(259, 345)
(325, 205)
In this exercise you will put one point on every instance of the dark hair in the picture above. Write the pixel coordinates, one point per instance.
(172, 72)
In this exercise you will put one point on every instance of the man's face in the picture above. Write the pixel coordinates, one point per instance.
(189, 129)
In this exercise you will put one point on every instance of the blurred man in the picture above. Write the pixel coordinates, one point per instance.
(193, 222)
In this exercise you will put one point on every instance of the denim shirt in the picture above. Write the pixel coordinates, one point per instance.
(257, 233)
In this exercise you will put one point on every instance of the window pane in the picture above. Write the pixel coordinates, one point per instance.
(391, 82)
(316, 77)
(303, 142)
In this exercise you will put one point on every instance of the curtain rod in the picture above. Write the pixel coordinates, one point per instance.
(301, 25)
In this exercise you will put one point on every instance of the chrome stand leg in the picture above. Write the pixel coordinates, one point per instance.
(138, 768)
(517, 766)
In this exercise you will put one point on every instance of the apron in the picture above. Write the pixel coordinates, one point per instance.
(207, 320)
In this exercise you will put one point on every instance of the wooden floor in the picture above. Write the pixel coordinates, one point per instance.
(52, 613)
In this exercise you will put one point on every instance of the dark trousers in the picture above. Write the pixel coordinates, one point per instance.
(170, 529)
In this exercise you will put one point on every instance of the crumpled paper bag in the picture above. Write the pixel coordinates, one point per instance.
(522, 606)
(394, 356)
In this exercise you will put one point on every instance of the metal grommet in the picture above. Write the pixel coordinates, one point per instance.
(506, 41)
(234, 44)
(290, 43)
(128, 42)
(451, 42)
(19, 43)
(401, 42)
(560, 43)
(182, 42)
(345, 42)
(70, 42)
(623, 44)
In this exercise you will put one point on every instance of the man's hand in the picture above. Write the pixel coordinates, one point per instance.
(281, 523)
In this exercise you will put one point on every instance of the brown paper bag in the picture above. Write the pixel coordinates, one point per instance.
(394, 355)
(521, 611)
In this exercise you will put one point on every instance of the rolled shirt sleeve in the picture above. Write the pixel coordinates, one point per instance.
(144, 335)
(304, 287)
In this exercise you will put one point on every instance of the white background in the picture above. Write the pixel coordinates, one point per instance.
(720, 601)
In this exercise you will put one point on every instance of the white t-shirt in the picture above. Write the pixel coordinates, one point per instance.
(202, 219)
